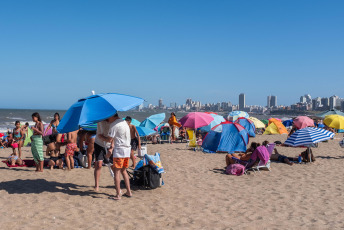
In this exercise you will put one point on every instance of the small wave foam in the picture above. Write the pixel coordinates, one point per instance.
(15, 118)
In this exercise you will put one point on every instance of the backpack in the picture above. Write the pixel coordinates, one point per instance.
(147, 177)
(235, 169)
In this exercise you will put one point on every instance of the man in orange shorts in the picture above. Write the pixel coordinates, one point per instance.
(120, 132)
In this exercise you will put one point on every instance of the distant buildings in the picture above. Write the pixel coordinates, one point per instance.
(271, 101)
(161, 105)
(333, 102)
(242, 104)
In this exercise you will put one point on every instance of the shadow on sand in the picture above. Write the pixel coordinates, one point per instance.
(37, 186)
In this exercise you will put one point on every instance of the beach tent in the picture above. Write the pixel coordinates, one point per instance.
(330, 112)
(257, 123)
(217, 120)
(275, 127)
(248, 125)
(232, 116)
(226, 137)
(265, 121)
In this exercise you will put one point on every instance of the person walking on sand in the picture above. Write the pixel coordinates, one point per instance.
(71, 148)
(37, 142)
(101, 148)
(119, 133)
(135, 141)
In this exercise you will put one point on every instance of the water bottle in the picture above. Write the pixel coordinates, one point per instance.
(299, 159)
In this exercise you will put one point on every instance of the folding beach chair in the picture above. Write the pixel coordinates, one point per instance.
(191, 139)
(267, 166)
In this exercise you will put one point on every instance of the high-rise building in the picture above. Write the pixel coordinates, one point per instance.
(342, 106)
(161, 105)
(303, 99)
(325, 103)
(273, 102)
(268, 103)
(316, 103)
(242, 101)
(333, 102)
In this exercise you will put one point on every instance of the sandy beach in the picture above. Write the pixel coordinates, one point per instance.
(196, 195)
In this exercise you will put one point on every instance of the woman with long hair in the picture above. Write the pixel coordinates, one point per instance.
(37, 142)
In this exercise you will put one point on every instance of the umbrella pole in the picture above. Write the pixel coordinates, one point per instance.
(309, 154)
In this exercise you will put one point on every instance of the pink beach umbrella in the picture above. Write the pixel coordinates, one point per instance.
(196, 120)
(301, 122)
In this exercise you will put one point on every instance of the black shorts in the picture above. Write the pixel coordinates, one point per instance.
(134, 143)
(99, 152)
(54, 159)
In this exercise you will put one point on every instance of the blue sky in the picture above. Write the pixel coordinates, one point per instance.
(55, 52)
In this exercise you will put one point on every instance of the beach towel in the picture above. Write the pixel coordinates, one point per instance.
(262, 153)
(37, 148)
(173, 121)
(235, 169)
(153, 161)
(27, 163)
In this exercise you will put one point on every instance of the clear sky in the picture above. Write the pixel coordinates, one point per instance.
(55, 52)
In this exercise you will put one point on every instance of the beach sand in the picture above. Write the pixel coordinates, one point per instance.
(196, 195)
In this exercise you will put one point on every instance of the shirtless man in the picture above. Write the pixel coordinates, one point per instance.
(135, 140)
(71, 148)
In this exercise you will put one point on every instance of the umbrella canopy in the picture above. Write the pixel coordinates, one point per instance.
(217, 120)
(211, 113)
(233, 116)
(334, 121)
(287, 123)
(257, 123)
(196, 120)
(96, 108)
(301, 122)
(91, 127)
(134, 122)
(330, 112)
(265, 121)
(143, 131)
(153, 121)
(308, 136)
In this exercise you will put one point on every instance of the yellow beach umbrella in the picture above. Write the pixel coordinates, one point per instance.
(257, 123)
(334, 121)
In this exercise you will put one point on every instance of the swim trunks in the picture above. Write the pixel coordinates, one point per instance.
(281, 158)
(134, 143)
(70, 149)
(120, 163)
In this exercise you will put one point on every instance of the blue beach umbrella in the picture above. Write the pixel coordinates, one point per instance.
(308, 136)
(143, 131)
(217, 120)
(287, 123)
(134, 121)
(153, 121)
(96, 108)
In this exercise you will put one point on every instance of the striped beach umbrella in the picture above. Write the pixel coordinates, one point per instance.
(308, 136)
(233, 116)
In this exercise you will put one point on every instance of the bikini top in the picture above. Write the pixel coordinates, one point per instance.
(17, 134)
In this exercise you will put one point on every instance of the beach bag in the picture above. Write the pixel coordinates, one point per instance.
(235, 169)
(147, 178)
(142, 151)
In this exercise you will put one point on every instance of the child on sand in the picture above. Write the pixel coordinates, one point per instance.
(71, 148)
(18, 138)
(13, 159)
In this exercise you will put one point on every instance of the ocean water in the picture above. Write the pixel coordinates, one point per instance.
(9, 116)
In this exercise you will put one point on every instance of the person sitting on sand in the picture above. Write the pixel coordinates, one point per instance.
(71, 148)
(242, 156)
(13, 159)
(276, 156)
(199, 141)
(55, 157)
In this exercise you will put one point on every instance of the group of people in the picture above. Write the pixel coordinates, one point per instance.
(115, 140)
(249, 160)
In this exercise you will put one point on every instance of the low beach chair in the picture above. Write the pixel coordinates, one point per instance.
(267, 166)
(191, 139)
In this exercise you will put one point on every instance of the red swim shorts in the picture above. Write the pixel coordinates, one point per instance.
(70, 149)
(121, 162)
